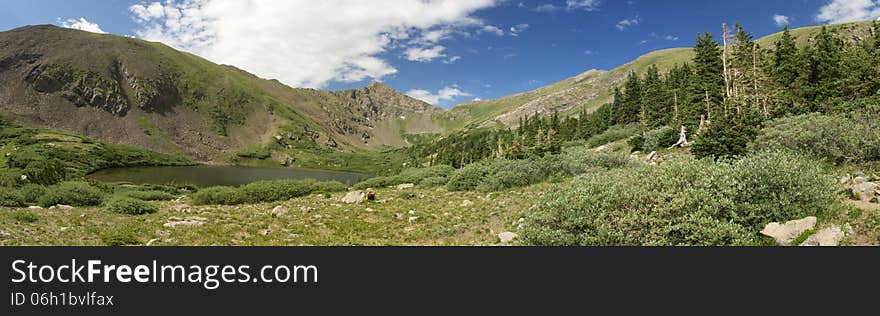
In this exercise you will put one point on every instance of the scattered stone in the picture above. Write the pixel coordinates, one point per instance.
(600, 148)
(467, 203)
(354, 197)
(412, 212)
(859, 180)
(652, 157)
(784, 234)
(369, 210)
(152, 242)
(264, 232)
(35, 208)
(306, 209)
(182, 208)
(845, 179)
(174, 222)
(61, 207)
(279, 211)
(828, 237)
(4, 235)
(865, 190)
(405, 186)
(413, 219)
(507, 237)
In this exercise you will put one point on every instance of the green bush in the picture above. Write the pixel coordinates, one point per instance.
(24, 216)
(728, 136)
(431, 182)
(32, 192)
(660, 138)
(218, 196)
(131, 206)
(10, 197)
(149, 195)
(121, 237)
(45, 172)
(10, 178)
(264, 191)
(637, 143)
(468, 178)
(613, 134)
(72, 193)
(412, 175)
(843, 138)
(681, 202)
(778, 187)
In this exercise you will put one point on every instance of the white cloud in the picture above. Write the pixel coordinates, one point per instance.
(627, 23)
(588, 5)
(424, 54)
(781, 20)
(517, 29)
(492, 29)
(83, 25)
(547, 7)
(446, 94)
(452, 59)
(305, 43)
(842, 11)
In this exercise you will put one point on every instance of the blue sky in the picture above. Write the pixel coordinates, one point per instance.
(446, 52)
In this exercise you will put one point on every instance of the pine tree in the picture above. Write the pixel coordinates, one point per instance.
(630, 109)
(708, 67)
(655, 109)
(826, 64)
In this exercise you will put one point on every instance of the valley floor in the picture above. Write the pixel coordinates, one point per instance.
(414, 217)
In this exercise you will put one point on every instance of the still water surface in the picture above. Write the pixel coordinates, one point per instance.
(204, 176)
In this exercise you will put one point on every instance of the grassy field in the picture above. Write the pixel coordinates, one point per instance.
(423, 217)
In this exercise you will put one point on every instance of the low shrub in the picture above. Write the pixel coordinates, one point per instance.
(131, 206)
(10, 197)
(613, 134)
(431, 182)
(412, 175)
(681, 203)
(660, 138)
(220, 195)
(264, 191)
(149, 195)
(72, 193)
(32, 192)
(122, 237)
(841, 138)
(24, 216)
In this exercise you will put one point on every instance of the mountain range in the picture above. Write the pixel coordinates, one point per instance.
(128, 91)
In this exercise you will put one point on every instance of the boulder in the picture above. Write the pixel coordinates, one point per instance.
(174, 222)
(61, 207)
(865, 190)
(354, 197)
(828, 237)
(405, 186)
(786, 233)
(859, 180)
(507, 237)
(413, 219)
(35, 208)
(279, 211)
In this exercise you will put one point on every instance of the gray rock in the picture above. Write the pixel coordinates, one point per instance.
(467, 203)
(279, 211)
(786, 233)
(865, 190)
(507, 237)
(405, 186)
(61, 207)
(413, 219)
(845, 179)
(174, 222)
(354, 197)
(652, 157)
(35, 208)
(859, 180)
(152, 242)
(828, 237)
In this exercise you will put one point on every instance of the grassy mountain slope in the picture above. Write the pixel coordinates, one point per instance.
(593, 88)
(146, 94)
